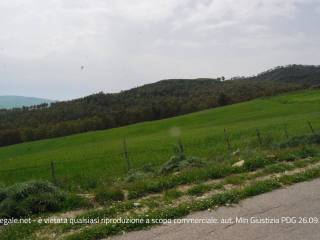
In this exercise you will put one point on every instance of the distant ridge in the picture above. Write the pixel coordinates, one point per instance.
(163, 99)
(8, 102)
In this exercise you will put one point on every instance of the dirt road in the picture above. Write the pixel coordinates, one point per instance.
(300, 200)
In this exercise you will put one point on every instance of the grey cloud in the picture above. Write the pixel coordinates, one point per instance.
(126, 43)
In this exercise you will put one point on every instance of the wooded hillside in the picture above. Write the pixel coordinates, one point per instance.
(163, 99)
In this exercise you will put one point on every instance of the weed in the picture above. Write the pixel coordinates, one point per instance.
(235, 179)
(152, 202)
(172, 194)
(260, 187)
(278, 168)
(105, 195)
(255, 163)
(300, 177)
(218, 186)
(198, 190)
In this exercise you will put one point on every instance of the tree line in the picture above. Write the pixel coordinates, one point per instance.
(159, 100)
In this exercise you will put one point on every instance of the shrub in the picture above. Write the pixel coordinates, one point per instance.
(259, 162)
(31, 198)
(301, 140)
(105, 195)
(301, 152)
(23, 190)
(3, 194)
(180, 161)
(306, 152)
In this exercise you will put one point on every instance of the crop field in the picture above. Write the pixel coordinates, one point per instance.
(85, 160)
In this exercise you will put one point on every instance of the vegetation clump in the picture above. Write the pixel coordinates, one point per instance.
(136, 175)
(3, 194)
(176, 163)
(256, 163)
(34, 197)
(301, 140)
(235, 179)
(172, 194)
(278, 168)
(198, 190)
(180, 161)
(140, 174)
(105, 195)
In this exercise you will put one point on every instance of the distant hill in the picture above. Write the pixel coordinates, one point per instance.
(163, 99)
(20, 101)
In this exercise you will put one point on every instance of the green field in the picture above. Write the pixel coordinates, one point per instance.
(87, 159)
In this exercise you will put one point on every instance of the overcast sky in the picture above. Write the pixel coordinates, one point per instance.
(62, 49)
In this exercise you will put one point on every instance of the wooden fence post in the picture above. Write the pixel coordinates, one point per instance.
(259, 137)
(181, 148)
(227, 140)
(53, 173)
(126, 154)
(311, 128)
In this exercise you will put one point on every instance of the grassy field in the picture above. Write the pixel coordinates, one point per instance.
(90, 158)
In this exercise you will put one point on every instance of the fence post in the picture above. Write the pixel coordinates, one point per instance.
(227, 140)
(311, 128)
(53, 173)
(126, 154)
(259, 137)
(181, 148)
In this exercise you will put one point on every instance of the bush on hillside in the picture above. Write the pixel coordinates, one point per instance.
(24, 199)
(180, 161)
(301, 140)
(305, 151)
(177, 163)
